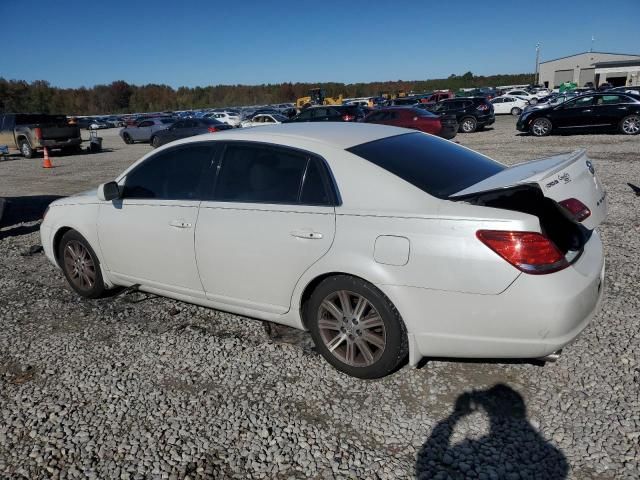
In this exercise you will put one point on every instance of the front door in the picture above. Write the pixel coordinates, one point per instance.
(579, 112)
(147, 236)
(270, 217)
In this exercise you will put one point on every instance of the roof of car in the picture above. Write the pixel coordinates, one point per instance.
(337, 134)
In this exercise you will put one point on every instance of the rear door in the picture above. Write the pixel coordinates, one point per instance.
(271, 216)
(610, 108)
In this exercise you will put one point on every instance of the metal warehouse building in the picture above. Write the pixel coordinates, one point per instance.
(618, 69)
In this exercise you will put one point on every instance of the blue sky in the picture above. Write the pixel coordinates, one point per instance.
(251, 42)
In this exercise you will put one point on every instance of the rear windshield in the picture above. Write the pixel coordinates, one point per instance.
(436, 166)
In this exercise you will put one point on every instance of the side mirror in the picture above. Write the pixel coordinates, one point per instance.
(108, 191)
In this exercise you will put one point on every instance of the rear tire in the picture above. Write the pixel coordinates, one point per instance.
(468, 125)
(630, 125)
(155, 142)
(127, 138)
(541, 127)
(26, 150)
(80, 265)
(515, 111)
(356, 328)
(533, 101)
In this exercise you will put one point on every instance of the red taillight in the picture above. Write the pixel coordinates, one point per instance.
(530, 252)
(482, 107)
(576, 208)
(348, 118)
(212, 129)
(38, 132)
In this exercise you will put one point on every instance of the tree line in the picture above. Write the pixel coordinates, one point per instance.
(121, 97)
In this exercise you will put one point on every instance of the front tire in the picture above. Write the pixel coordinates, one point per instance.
(80, 265)
(541, 127)
(630, 125)
(26, 150)
(127, 138)
(155, 142)
(468, 125)
(515, 111)
(356, 328)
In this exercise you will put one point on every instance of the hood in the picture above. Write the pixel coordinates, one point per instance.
(88, 196)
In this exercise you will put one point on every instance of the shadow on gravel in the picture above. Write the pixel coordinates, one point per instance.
(17, 210)
(512, 449)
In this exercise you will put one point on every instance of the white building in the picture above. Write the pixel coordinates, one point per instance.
(581, 68)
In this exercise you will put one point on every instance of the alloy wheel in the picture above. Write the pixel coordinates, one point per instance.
(79, 265)
(631, 125)
(467, 125)
(541, 127)
(351, 328)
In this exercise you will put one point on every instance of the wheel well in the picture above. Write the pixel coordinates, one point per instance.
(311, 286)
(56, 242)
(22, 138)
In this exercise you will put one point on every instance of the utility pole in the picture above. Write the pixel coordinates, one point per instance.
(537, 62)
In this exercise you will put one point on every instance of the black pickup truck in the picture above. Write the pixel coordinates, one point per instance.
(29, 132)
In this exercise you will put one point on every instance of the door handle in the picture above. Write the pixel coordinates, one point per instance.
(586, 111)
(308, 234)
(180, 224)
(623, 108)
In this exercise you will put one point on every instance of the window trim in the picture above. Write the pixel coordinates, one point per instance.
(328, 179)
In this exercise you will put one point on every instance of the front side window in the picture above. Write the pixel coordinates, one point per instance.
(306, 115)
(609, 100)
(173, 174)
(264, 174)
(146, 123)
(580, 102)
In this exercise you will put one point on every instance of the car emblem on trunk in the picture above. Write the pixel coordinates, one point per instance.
(590, 167)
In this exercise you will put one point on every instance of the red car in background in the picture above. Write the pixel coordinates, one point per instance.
(416, 119)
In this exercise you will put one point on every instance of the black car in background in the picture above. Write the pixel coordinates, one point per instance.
(603, 110)
(472, 114)
(187, 128)
(330, 113)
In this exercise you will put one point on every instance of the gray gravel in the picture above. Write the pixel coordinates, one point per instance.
(137, 386)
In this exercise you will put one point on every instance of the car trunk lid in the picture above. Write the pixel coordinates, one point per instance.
(559, 178)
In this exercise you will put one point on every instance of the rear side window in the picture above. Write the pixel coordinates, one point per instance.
(174, 174)
(436, 166)
(264, 174)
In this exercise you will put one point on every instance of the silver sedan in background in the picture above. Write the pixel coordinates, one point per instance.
(143, 130)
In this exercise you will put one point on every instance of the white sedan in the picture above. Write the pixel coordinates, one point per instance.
(262, 120)
(230, 118)
(385, 243)
(529, 97)
(508, 104)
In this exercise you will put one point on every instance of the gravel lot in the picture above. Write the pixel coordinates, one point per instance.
(137, 386)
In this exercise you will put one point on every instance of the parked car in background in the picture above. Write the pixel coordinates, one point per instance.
(330, 113)
(230, 118)
(635, 90)
(30, 132)
(437, 96)
(604, 110)
(529, 97)
(97, 124)
(83, 122)
(187, 128)
(509, 105)
(505, 266)
(471, 113)
(416, 119)
(144, 130)
(264, 119)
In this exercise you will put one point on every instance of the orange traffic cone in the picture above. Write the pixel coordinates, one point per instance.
(47, 162)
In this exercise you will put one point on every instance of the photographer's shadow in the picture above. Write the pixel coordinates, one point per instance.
(511, 449)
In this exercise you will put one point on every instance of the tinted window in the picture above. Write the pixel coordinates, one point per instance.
(260, 174)
(434, 165)
(579, 102)
(170, 175)
(146, 123)
(314, 191)
(167, 121)
(306, 115)
(609, 100)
